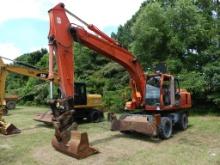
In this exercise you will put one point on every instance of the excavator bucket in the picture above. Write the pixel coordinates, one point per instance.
(137, 123)
(67, 140)
(77, 147)
(9, 129)
(46, 118)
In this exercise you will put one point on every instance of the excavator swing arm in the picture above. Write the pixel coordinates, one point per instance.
(61, 37)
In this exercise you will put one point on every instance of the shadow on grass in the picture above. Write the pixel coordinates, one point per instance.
(8, 114)
(43, 125)
(138, 136)
(11, 111)
(177, 131)
(16, 109)
(133, 135)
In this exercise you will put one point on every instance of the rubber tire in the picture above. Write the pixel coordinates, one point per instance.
(183, 121)
(95, 116)
(126, 132)
(11, 105)
(5, 111)
(165, 128)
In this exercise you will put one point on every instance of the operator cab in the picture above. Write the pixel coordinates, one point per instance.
(162, 90)
(80, 97)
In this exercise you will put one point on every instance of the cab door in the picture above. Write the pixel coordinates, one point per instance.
(170, 91)
(80, 97)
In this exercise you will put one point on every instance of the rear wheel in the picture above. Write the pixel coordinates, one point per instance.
(11, 104)
(183, 121)
(5, 111)
(165, 128)
(95, 116)
(126, 132)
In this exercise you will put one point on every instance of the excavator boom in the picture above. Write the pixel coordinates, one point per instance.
(61, 45)
(61, 28)
(119, 55)
(61, 36)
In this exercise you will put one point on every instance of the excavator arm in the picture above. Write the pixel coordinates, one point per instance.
(61, 45)
(61, 36)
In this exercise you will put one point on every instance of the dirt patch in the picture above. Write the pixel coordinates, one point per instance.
(112, 146)
(5, 146)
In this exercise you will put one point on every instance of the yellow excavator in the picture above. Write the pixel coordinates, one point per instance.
(89, 106)
(9, 102)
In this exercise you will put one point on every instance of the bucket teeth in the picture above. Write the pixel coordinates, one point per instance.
(11, 129)
(77, 147)
(46, 118)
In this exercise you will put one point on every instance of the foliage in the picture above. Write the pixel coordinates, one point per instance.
(114, 101)
(212, 79)
(30, 90)
(184, 34)
(194, 82)
(149, 32)
(32, 58)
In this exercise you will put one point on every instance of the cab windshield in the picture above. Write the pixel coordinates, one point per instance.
(152, 96)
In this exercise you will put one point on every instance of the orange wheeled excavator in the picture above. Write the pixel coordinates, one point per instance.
(157, 103)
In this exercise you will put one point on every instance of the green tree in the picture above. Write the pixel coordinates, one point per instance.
(149, 33)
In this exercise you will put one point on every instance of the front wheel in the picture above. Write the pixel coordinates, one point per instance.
(165, 128)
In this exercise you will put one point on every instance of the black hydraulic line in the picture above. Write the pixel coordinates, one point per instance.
(21, 63)
(27, 65)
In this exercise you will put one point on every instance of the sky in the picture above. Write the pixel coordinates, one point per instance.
(24, 24)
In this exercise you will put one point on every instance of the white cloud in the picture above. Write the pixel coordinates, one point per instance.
(10, 51)
(98, 12)
(102, 13)
(12, 9)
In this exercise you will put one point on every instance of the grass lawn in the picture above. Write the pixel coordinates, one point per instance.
(198, 145)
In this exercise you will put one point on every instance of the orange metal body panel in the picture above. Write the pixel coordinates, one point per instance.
(185, 99)
(119, 55)
(61, 44)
